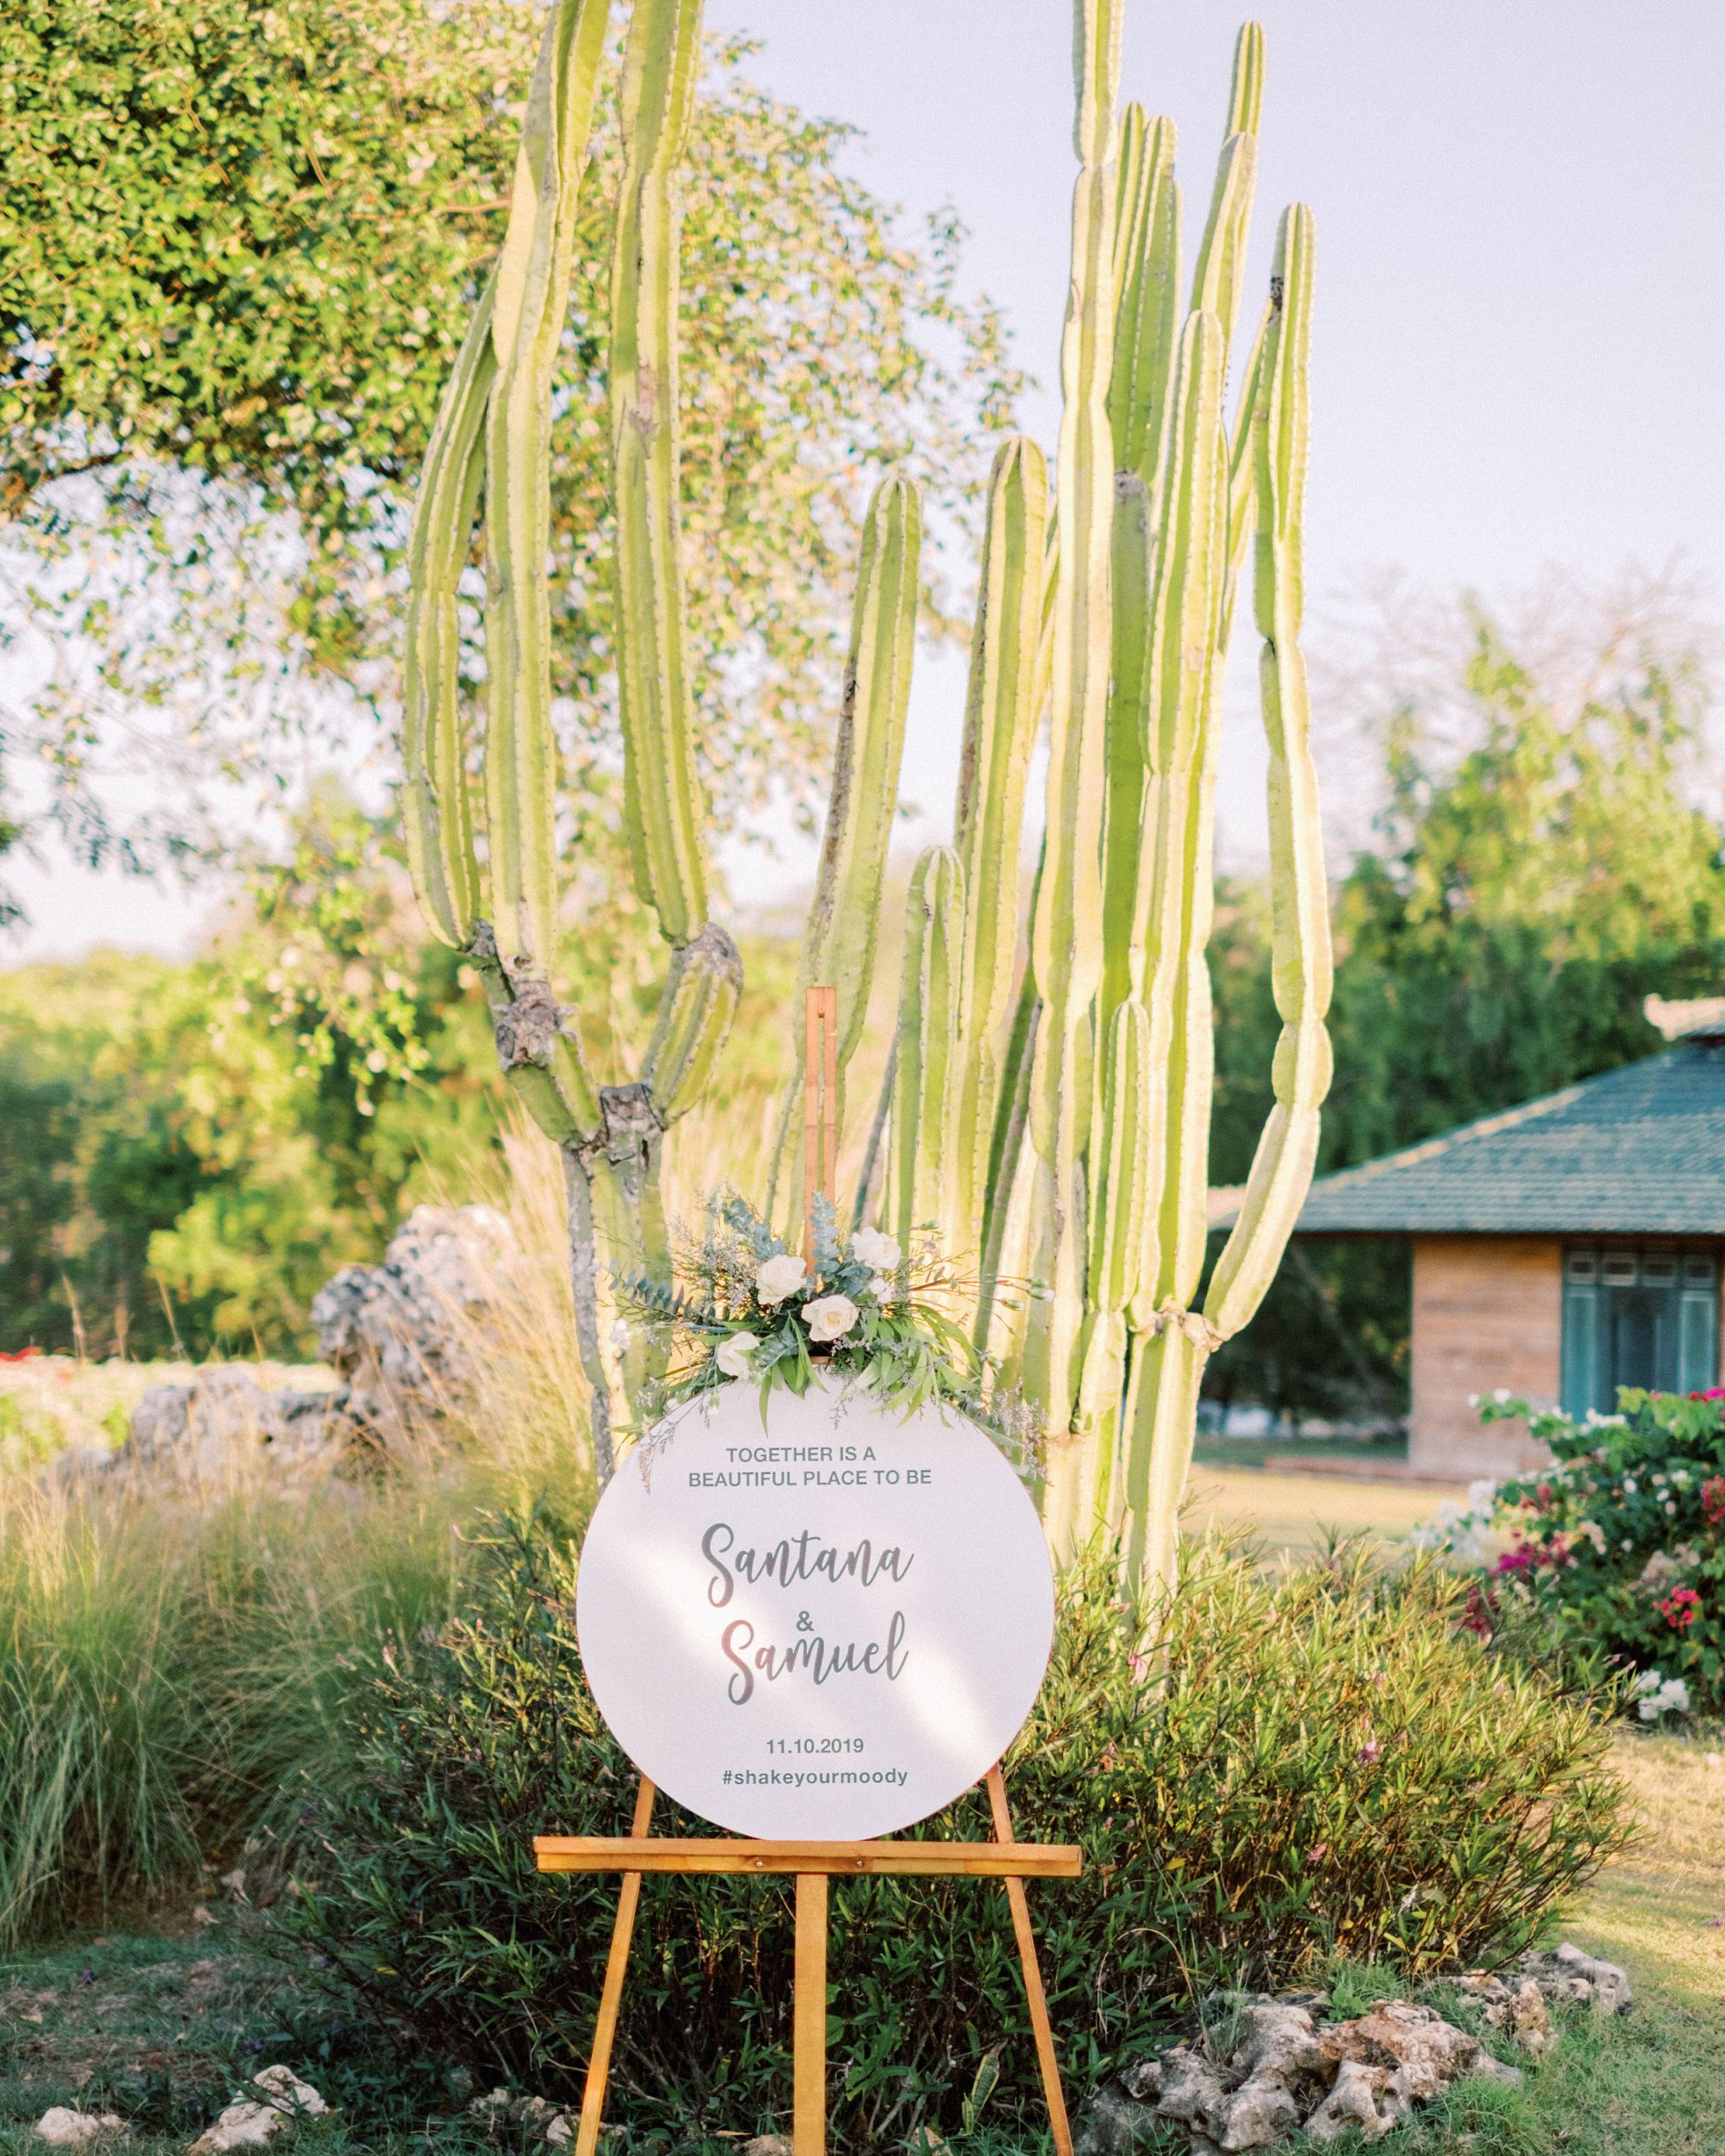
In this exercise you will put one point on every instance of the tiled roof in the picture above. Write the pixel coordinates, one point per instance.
(1637, 1151)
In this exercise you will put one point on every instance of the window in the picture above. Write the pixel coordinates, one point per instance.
(1637, 1317)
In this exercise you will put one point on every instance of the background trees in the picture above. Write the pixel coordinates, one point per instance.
(1546, 856)
(237, 250)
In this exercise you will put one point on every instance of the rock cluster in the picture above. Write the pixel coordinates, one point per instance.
(399, 1334)
(282, 2096)
(1267, 2067)
(250, 2124)
(62, 2127)
(531, 2117)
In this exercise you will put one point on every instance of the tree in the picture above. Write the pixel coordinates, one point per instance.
(238, 247)
(1543, 866)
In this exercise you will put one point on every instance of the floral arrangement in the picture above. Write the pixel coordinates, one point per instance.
(1620, 1544)
(749, 1309)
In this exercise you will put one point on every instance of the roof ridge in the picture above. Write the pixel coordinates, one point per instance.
(1482, 1127)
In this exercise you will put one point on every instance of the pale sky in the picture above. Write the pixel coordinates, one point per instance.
(1521, 301)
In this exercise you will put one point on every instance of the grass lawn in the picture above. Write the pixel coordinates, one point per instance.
(1297, 1512)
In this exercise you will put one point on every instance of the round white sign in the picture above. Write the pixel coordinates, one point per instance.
(822, 1629)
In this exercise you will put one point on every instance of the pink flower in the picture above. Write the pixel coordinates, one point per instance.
(1713, 1500)
(1371, 1752)
(1679, 1608)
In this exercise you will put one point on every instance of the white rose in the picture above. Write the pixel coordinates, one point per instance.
(831, 1318)
(870, 1248)
(779, 1277)
(732, 1355)
(883, 1288)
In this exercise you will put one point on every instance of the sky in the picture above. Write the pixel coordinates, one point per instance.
(1521, 294)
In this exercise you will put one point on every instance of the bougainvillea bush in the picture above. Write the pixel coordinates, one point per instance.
(1620, 1544)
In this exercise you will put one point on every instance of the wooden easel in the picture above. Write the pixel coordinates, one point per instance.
(811, 1863)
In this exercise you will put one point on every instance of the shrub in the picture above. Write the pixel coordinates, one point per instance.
(1282, 1771)
(1620, 1544)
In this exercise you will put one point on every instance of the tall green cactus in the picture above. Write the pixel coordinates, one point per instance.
(1109, 1067)
(1063, 1101)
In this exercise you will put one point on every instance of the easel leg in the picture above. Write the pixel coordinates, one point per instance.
(611, 1994)
(1035, 1997)
(808, 2018)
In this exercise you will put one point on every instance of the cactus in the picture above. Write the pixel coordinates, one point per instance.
(1108, 1067)
(1065, 1102)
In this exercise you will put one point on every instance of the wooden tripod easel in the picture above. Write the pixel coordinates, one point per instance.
(811, 1863)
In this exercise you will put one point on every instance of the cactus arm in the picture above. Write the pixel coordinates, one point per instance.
(1174, 901)
(1221, 266)
(1119, 1151)
(999, 733)
(435, 811)
(531, 296)
(1246, 84)
(1067, 929)
(694, 1016)
(1147, 319)
(1132, 580)
(929, 1027)
(1006, 1147)
(843, 926)
(663, 803)
(869, 1175)
(584, 1271)
(1300, 966)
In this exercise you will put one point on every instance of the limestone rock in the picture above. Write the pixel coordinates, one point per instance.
(250, 2125)
(62, 2127)
(284, 2089)
(1569, 1977)
(534, 2116)
(399, 1333)
(1421, 2051)
(1258, 2112)
(1114, 2122)
(1350, 2104)
(1190, 2084)
(193, 1433)
(1275, 2043)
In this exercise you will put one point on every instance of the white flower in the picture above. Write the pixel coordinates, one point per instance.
(1502, 1396)
(1473, 1399)
(870, 1246)
(732, 1355)
(1674, 1696)
(1480, 1494)
(883, 1288)
(831, 1317)
(620, 1335)
(779, 1277)
(1630, 1486)
(1590, 1530)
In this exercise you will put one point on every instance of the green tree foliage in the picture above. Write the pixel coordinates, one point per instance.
(1530, 888)
(204, 1143)
(238, 247)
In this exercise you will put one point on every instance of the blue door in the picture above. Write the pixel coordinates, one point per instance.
(1634, 1316)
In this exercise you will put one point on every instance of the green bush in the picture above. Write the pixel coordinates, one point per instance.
(1619, 1548)
(1286, 1769)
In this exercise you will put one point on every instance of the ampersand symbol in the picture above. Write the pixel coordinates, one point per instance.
(803, 1621)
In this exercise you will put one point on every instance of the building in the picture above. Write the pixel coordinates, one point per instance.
(1560, 1249)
